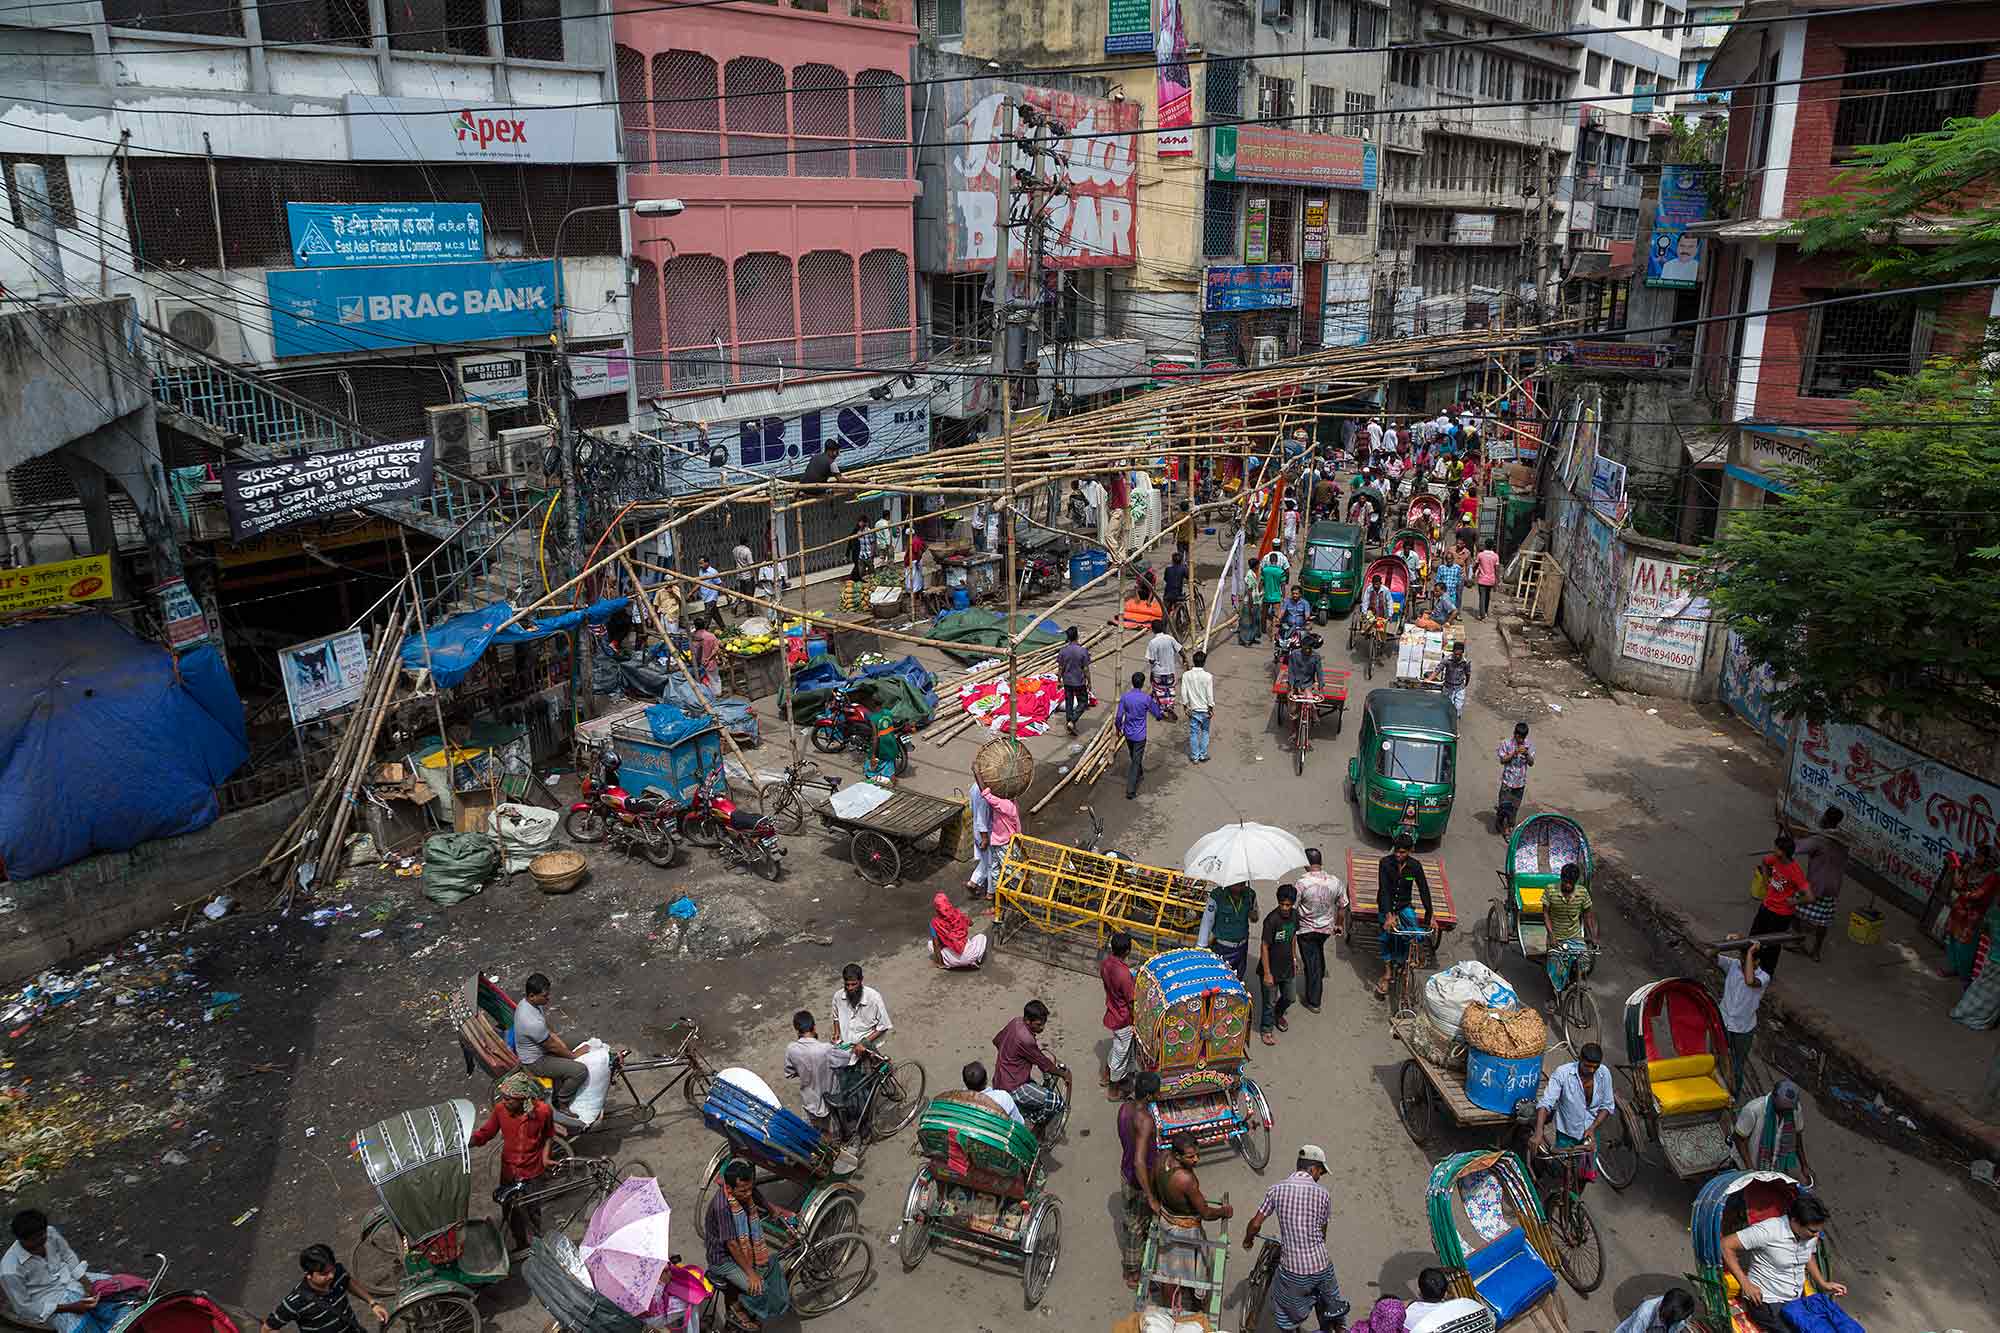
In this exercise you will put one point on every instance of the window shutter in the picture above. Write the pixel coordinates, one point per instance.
(1806, 371)
(1922, 331)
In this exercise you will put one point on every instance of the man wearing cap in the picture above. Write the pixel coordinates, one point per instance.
(1306, 1282)
(1770, 1133)
(1516, 757)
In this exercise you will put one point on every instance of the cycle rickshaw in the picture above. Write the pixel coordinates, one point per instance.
(983, 1190)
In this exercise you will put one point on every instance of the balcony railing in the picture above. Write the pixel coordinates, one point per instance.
(1539, 15)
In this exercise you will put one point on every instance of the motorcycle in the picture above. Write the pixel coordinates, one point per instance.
(1038, 575)
(844, 724)
(739, 837)
(609, 814)
(1163, 695)
(1287, 640)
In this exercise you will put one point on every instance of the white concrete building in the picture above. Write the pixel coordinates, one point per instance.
(1628, 77)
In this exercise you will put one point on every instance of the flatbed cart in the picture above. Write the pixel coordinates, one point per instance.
(1363, 872)
(881, 840)
(1425, 1088)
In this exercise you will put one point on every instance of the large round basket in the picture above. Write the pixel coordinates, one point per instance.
(1004, 767)
(557, 872)
(886, 608)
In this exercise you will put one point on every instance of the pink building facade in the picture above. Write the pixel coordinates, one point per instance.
(779, 127)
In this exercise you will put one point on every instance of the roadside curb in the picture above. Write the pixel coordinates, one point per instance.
(1842, 1056)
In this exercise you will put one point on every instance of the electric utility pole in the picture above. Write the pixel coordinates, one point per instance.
(1002, 230)
(1543, 240)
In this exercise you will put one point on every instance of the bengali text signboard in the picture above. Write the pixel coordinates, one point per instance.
(84, 579)
(1290, 157)
(1666, 616)
(1129, 28)
(1251, 287)
(328, 235)
(325, 675)
(265, 496)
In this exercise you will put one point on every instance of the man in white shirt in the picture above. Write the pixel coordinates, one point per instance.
(813, 1062)
(1743, 986)
(771, 580)
(1433, 1291)
(1770, 1133)
(1577, 1098)
(974, 1075)
(1666, 1313)
(746, 565)
(1322, 912)
(45, 1281)
(1198, 697)
(859, 1009)
(1163, 655)
(1772, 1260)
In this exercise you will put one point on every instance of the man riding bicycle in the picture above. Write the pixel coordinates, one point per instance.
(1175, 586)
(1571, 920)
(1304, 672)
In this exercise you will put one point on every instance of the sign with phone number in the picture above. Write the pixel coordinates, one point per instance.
(84, 579)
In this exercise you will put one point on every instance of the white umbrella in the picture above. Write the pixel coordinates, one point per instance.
(1245, 853)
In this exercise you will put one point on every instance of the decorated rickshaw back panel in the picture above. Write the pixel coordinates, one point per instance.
(1190, 1013)
(976, 1146)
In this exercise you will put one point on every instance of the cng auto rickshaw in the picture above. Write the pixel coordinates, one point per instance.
(1404, 774)
(1332, 572)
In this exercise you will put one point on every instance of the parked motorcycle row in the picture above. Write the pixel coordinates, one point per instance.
(653, 823)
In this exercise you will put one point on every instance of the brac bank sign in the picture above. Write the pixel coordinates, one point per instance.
(1094, 225)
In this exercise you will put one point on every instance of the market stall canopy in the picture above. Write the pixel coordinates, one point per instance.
(1245, 853)
(456, 644)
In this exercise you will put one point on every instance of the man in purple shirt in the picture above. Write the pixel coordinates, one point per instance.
(1073, 659)
(1019, 1052)
(1134, 707)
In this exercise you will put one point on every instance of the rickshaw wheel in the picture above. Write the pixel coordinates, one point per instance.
(829, 1273)
(377, 1263)
(1256, 1129)
(915, 1241)
(841, 1214)
(694, 1088)
(1040, 1265)
(436, 1314)
(1580, 1252)
(1338, 710)
(1413, 1102)
(706, 1195)
(1489, 939)
(898, 1099)
(1617, 1154)
(1578, 1007)
(875, 856)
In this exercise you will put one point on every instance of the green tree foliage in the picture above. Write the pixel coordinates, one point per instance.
(1943, 187)
(1865, 587)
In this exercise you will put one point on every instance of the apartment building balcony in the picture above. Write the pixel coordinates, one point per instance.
(1535, 15)
(1478, 199)
(1403, 134)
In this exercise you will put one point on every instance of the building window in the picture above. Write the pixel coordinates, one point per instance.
(197, 16)
(452, 27)
(1849, 346)
(826, 309)
(1222, 88)
(1364, 26)
(1351, 216)
(1360, 115)
(1325, 106)
(1323, 19)
(1593, 71)
(1914, 101)
(688, 113)
(881, 112)
(942, 19)
(1597, 4)
(1278, 13)
(697, 321)
(754, 93)
(766, 324)
(1406, 68)
(1620, 72)
(1218, 220)
(330, 22)
(819, 112)
(887, 332)
(1284, 229)
(1652, 13)
(56, 170)
(635, 107)
(1624, 11)
(1275, 98)
(531, 29)
(650, 366)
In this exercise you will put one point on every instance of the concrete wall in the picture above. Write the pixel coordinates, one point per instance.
(90, 903)
(1629, 607)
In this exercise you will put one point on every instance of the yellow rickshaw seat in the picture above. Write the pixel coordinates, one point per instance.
(1686, 1084)
(1531, 898)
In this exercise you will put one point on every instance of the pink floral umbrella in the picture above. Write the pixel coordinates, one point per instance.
(625, 1247)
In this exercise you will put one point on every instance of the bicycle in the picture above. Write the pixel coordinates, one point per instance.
(1581, 1257)
(1574, 1007)
(785, 802)
(1403, 975)
(1305, 708)
(898, 1085)
(1257, 1286)
(1187, 615)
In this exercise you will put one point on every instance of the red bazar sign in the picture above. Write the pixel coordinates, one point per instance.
(1093, 223)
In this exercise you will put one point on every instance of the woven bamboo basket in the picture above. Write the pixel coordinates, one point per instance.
(1004, 767)
(557, 872)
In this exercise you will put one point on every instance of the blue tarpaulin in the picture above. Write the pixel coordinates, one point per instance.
(457, 643)
(910, 669)
(105, 742)
(670, 724)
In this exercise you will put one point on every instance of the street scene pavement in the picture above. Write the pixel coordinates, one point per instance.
(210, 1118)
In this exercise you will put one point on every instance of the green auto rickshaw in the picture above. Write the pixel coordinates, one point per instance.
(1403, 776)
(1332, 570)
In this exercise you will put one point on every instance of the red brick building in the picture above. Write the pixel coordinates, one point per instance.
(1878, 78)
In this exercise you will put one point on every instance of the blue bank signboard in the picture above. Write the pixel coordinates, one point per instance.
(322, 311)
(329, 235)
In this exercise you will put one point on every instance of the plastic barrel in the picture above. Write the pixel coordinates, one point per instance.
(960, 599)
(1087, 565)
(1495, 1083)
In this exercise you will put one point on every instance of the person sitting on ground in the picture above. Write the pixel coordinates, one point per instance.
(540, 1051)
(1666, 1313)
(46, 1283)
(319, 1303)
(1772, 1261)
(953, 945)
(1570, 918)
(975, 1080)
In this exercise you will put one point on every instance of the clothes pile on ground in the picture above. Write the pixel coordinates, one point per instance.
(1037, 700)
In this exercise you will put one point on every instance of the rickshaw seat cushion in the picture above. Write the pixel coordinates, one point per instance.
(1529, 896)
(981, 1180)
(484, 1250)
(1509, 1275)
(1686, 1084)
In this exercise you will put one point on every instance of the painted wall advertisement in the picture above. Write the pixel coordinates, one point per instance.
(324, 675)
(84, 579)
(1313, 247)
(418, 129)
(1129, 30)
(329, 235)
(1666, 615)
(782, 446)
(1093, 225)
(1256, 230)
(1905, 810)
(1673, 258)
(1250, 287)
(317, 311)
(1176, 85)
(1288, 157)
(1747, 686)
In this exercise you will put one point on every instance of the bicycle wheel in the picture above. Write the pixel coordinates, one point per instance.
(1299, 733)
(898, 1098)
(1257, 1289)
(444, 1313)
(829, 1273)
(1413, 1102)
(1617, 1156)
(377, 1261)
(1041, 1258)
(694, 1088)
(784, 806)
(1581, 1256)
(1578, 1007)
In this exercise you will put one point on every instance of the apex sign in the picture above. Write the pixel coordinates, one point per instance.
(484, 130)
(417, 129)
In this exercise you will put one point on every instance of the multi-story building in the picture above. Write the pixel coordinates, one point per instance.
(1477, 140)
(777, 312)
(1783, 378)
(1703, 28)
(1626, 78)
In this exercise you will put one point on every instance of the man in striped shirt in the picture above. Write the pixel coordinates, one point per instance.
(319, 1303)
(1306, 1282)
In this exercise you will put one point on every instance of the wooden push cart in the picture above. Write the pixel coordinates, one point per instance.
(1364, 873)
(1424, 1088)
(1070, 902)
(881, 840)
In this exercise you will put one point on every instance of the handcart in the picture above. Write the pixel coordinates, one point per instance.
(1364, 870)
(880, 839)
(1298, 712)
(1425, 1086)
(1191, 1019)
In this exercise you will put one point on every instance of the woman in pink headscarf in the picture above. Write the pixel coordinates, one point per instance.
(953, 945)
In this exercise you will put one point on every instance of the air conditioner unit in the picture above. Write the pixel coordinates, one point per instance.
(459, 433)
(210, 328)
(1267, 353)
(524, 448)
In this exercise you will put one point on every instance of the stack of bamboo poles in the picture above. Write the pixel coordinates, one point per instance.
(1089, 765)
(311, 846)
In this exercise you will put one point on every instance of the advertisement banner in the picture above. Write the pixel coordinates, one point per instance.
(324, 675)
(1611, 356)
(182, 620)
(495, 378)
(782, 446)
(599, 374)
(1176, 86)
(1313, 247)
(1666, 616)
(1289, 157)
(263, 497)
(1471, 229)
(1129, 31)
(419, 129)
(1256, 230)
(1746, 687)
(87, 578)
(1607, 489)
(1250, 287)
(1673, 258)
(329, 235)
(318, 311)
(1349, 306)
(1094, 225)
(1905, 810)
